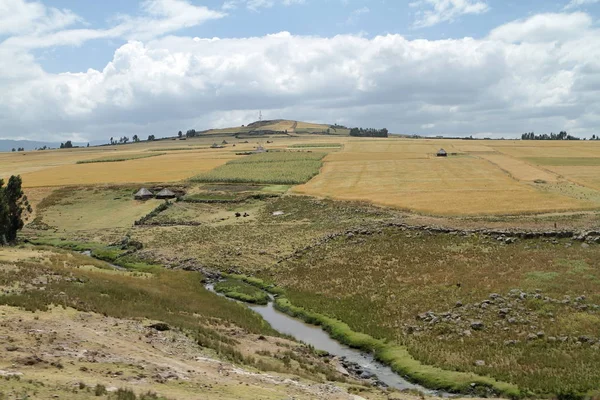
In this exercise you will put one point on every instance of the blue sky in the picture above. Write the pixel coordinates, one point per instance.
(84, 69)
(313, 17)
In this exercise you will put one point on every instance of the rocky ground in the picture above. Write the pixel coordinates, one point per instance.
(66, 354)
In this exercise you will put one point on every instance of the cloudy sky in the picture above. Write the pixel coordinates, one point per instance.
(87, 70)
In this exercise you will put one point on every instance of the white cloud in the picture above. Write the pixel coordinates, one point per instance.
(432, 12)
(18, 17)
(45, 27)
(544, 28)
(580, 3)
(255, 5)
(519, 78)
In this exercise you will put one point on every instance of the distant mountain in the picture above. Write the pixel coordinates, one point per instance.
(8, 145)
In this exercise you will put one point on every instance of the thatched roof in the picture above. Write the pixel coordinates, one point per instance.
(165, 193)
(143, 192)
(442, 151)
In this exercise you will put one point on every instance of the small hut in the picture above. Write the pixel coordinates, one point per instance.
(143, 194)
(216, 146)
(165, 194)
(260, 149)
(442, 153)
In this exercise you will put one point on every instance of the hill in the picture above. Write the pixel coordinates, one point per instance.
(289, 127)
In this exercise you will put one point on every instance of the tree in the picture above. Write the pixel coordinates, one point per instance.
(88, 144)
(21, 149)
(136, 138)
(11, 209)
(66, 145)
(13, 149)
(179, 134)
(112, 141)
(151, 138)
(190, 133)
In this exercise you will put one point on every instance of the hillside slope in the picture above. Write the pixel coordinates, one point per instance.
(281, 125)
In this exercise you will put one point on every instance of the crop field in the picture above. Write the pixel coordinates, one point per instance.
(406, 174)
(380, 283)
(276, 168)
(164, 168)
(120, 158)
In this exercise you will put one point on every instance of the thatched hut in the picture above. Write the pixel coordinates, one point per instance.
(143, 194)
(165, 194)
(442, 153)
(260, 149)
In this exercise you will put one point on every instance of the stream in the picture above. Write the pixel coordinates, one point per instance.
(366, 366)
(319, 339)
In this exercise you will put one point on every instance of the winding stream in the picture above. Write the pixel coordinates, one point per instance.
(320, 340)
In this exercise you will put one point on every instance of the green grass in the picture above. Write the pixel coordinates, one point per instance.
(285, 168)
(565, 161)
(398, 357)
(120, 158)
(378, 284)
(242, 291)
(177, 298)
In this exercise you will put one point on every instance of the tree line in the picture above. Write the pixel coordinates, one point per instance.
(12, 204)
(369, 132)
(552, 136)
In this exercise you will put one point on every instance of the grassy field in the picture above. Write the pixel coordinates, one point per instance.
(242, 291)
(542, 336)
(276, 168)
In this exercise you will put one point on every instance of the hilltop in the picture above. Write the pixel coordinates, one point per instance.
(282, 125)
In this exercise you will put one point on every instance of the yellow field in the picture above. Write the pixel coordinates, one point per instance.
(479, 177)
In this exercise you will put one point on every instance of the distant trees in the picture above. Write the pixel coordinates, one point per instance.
(369, 132)
(180, 134)
(124, 140)
(66, 145)
(136, 138)
(552, 136)
(151, 138)
(191, 133)
(12, 204)
(13, 149)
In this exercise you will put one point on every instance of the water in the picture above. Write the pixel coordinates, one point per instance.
(320, 340)
(89, 254)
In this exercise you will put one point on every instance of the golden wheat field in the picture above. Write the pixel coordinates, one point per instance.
(478, 177)
(487, 177)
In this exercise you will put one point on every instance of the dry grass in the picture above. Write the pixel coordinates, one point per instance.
(166, 168)
(456, 185)
(518, 169)
(379, 283)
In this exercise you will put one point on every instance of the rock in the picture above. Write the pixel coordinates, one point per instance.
(477, 325)
(503, 312)
(160, 326)
(532, 336)
(467, 333)
(540, 334)
(458, 304)
(510, 342)
(585, 245)
(366, 375)
(480, 363)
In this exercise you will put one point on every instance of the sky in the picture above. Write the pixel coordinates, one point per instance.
(87, 70)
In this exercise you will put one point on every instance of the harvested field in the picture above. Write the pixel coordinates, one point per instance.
(518, 169)
(456, 185)
(164, 168)
(120, 158)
